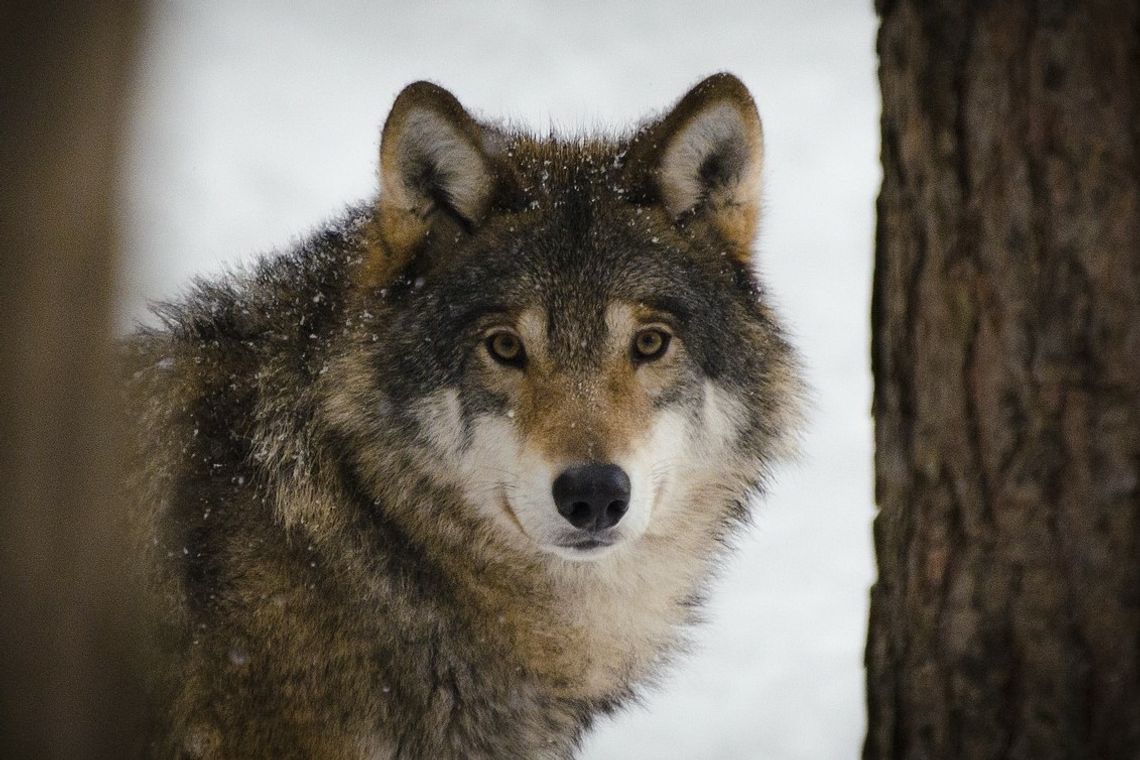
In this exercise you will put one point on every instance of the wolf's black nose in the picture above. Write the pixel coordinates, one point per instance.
(592, 496)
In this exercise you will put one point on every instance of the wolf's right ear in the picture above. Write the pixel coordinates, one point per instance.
(434, 161)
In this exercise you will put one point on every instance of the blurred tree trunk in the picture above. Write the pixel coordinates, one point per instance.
(69, 685)
(1006, 356)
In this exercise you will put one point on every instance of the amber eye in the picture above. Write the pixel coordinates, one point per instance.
(506, 348)
(650, 344)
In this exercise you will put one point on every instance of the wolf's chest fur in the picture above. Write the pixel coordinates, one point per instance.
(580, 632)
(448, 479)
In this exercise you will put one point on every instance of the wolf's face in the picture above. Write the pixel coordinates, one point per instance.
(568, 439)
(578, 365)
(574, 331)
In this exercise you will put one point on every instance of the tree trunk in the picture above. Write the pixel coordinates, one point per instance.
(1006, 354)
(69, 668)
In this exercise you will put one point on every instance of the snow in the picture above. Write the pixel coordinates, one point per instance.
(256, 121)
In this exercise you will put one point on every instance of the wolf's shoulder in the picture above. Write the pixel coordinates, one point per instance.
(245, 343)
(282, 295)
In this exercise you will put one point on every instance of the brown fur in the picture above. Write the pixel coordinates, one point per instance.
(592, 419)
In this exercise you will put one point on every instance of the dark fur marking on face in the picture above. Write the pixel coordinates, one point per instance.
(393, 547)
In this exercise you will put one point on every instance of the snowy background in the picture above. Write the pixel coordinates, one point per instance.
(256, 121)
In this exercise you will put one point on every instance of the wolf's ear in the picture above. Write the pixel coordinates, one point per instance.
(703, 160)
(433, 162)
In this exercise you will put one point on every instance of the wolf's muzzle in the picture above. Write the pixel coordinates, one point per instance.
(592, 497)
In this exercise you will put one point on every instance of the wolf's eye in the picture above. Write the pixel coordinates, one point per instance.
(650, 344)
(506, 348)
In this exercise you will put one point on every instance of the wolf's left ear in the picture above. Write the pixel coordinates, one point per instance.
(703, 160)
(435, 167)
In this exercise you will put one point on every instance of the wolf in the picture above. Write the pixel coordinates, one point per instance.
(449, 478)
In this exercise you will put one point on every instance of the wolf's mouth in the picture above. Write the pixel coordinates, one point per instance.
(587, 544)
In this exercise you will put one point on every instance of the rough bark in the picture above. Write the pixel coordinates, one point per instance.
(1005, 622)
(69, 684)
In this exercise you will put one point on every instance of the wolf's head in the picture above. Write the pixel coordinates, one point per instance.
(573, 334)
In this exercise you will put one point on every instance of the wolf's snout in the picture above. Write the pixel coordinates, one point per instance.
(592, 496)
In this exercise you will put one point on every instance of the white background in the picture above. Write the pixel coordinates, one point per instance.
(256, 121)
